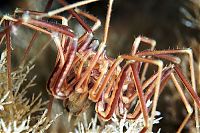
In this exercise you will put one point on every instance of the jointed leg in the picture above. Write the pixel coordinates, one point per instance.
(158, 80)
(186, 103)
(149, 86)
(188, 86)
(96, 93)
(150, 91)
(141, 96)
(101, 47)
(135, 47)
(94, 28)
(36, 33)
(112, 100)
(169, 74)
(100, 50)
(116, 91)
(86, 38)
(191, 65)
(91, 17)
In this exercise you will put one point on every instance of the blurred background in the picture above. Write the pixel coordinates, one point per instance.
(172, 23)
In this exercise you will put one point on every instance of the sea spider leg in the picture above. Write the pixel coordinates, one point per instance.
(43, 24)
(96, 92)
(89, 35)
(8, 27)
(64, 22)
(78, 63)
(106, 111)
(55, 27)
(140, 95)
(103, 70)
(17, 22)
(87, 15)
(186, 103)
(130, 94)
(85, 39)
(48, 6)
(100, 49)
(78, 18)
(191, 90)
(91, 17)
(60, 77)
(84, 25)
(114, 97)
(160, 54)
(94, 27)
(158, 63)
(8, 64)
(135, 47)
(191, 65)
(170, 75)
(150, 83)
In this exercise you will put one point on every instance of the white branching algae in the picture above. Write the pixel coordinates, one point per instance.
(19, 113)
(116, 125)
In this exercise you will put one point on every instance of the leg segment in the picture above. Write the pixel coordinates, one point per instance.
(186, 103)
(141, 96)
(135, 47)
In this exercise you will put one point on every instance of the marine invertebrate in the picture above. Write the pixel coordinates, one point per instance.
(83, 70)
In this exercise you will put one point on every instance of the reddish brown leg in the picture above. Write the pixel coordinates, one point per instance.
(35, 35)
(135, 47)
(165, 78)
(50, 104)
(56, 85)
(188, 86)
(141, 96)
(86, 38)
(8, 48)
(77, 63)
(71, 11)
(100, 49)
(96, 93)
(150, 83)
(186, 103)
(178, 87)
(112, 101)
(157, 82)
(191, 62)
(91, 17)
(27, 50)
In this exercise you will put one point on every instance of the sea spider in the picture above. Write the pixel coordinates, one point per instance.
(83, 73)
